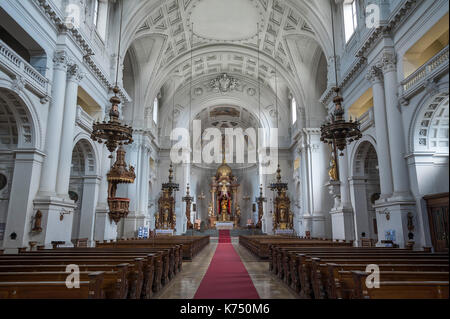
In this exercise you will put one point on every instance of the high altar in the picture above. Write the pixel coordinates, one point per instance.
(223, 208)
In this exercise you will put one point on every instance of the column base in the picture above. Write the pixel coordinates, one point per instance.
(132, 223)
(105, 228)
(342, 223)
(392, 221)
(56, 222)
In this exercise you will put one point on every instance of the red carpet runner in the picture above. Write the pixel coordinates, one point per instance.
(226, 277)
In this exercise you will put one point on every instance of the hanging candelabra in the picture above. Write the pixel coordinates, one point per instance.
(338, 132)
(114, 134)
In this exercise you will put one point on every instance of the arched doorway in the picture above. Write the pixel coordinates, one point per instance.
(83, 189)
(8, 144)
(20, 161)
(365, 190)
(429, 147)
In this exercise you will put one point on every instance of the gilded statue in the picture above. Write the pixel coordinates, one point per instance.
(210, 210)
(224, 205)
(282, 215)
(156, 220)
(166, 216)
(333, 171)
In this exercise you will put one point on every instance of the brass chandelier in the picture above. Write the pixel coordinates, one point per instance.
(338, 132)
(113, 133)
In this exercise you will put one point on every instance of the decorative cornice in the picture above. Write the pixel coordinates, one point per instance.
(84, 46)
(393, 23)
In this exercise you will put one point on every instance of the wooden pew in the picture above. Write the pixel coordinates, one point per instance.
(400, 289)
(135, 276)
(170, 258)
(153, 268)
(114, 284)
(343, 285)
(191, 245)
(91, 289)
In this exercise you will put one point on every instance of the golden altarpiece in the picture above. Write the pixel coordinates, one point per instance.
(223, 206)
(165, 217)
(283, 218)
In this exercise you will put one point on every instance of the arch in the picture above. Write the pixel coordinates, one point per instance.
(429, 128)
(85, 155)
(360, 151)
(20, 108)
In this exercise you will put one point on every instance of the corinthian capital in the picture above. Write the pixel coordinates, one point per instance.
(60, 60)
(387, 61)
(74, 73)
(374, 74)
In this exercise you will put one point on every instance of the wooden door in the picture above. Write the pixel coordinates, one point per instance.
(437, 206)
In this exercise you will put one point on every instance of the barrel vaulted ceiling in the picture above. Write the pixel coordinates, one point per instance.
(223, 38)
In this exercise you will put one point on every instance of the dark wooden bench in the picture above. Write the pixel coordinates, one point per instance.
(91, 289)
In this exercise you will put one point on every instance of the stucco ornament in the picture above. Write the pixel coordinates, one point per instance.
(224, 83)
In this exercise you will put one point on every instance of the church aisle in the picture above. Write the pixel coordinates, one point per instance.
(187, 282)
(268, 286)
(227, 277)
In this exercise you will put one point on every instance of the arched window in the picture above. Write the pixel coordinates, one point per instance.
(431, 131)
(294, 110)
(95, 15)
(100, 15)
(155, 110)
(350, 18)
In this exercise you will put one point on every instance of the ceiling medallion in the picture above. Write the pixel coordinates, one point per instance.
(224, 83)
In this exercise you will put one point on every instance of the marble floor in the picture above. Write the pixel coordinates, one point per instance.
(186, 283)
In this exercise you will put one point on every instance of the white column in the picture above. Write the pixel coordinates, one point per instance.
(103, 191)
(105, 229)
(90, 197)
(343, 177)
(25, 184)
(395, 128)
(143, 197)
(74, 76)
(342, 218)
(54, 125)
(359, 200)
(384, 159)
